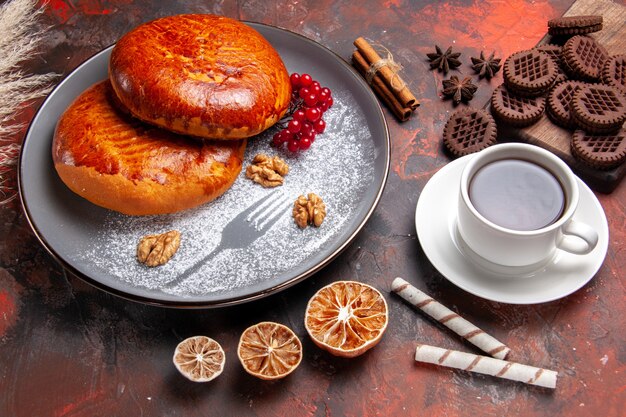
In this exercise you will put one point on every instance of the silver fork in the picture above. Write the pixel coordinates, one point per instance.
(244, 229)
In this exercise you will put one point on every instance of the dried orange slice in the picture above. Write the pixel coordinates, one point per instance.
(199, 358)
(269, 350)
(346, 318)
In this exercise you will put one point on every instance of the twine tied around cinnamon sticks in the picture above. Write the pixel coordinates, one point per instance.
(382, 74)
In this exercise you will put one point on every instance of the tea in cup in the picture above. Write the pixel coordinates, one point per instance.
(516, 205)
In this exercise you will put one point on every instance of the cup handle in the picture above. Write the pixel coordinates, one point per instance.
(578, 238)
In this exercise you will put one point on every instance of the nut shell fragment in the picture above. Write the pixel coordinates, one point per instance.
(155, 250)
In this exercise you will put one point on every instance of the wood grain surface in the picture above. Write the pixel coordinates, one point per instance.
(557, 139)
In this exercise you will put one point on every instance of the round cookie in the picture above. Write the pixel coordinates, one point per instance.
(514, 110)
(554, 51)
(559, 101)
(118, 162)
(600, 151)
(529, 73)
(584, 57)
(469, 130)
(597, 108)
(202, 75)
(574, 25)
(614, 72)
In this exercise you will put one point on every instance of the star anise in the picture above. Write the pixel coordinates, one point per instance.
(486, 67)
(459, 90)
(443, 61)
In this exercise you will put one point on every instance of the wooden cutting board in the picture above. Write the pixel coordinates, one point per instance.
(556, 139)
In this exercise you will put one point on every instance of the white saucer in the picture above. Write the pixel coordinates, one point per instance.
(435, 218)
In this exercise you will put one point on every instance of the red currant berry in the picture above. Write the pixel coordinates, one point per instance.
(303, 92)
(330, 102)
(306, 80)
(324, 106)
(315, 83)
(304, 143)
(293, 145)
(294, 126)
(323, 95)
(309, 134)
(310, 100)
(295, 80)
(315, 89)
(320, 126)
(278, 137)
(327, 91)
(312, 114)
(306, 128)
(299, 115)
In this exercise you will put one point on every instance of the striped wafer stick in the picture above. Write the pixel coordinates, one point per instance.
(486, 365)
(450, 319)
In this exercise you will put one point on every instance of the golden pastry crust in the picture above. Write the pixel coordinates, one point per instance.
(202, 75)
(120, 163)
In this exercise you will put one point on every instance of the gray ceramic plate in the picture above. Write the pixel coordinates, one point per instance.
(98, 245)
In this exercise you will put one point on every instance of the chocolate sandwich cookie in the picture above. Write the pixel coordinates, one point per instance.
(469, 130)
(554, 51)
(614, 72)
(529, 73)
(514, 110)
(574, 25)
(597, 108)
(559, 101)
(584, 58)
(600, 151)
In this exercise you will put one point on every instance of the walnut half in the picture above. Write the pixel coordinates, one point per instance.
(155, 250)
(311, 210)
(267, 171)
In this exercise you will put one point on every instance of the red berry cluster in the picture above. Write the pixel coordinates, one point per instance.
(309, 102)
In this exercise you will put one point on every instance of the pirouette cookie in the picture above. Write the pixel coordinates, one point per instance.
(118, 162)
(469, 130)
(600, 151)
(514, 110)
(202, 75)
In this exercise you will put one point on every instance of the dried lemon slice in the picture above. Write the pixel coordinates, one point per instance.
(346, 318)
(199, 358)
(269, 350)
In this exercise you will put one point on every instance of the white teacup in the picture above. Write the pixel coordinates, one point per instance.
(542, 180)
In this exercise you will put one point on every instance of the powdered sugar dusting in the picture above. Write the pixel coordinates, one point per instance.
(338, 167)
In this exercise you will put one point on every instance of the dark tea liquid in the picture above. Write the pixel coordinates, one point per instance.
(517, 194)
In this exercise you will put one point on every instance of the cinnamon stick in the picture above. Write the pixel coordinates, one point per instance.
(381, 90)
(391, 79)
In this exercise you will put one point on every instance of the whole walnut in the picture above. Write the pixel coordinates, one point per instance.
(155, 250)
(309, 210)
(267, 171)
